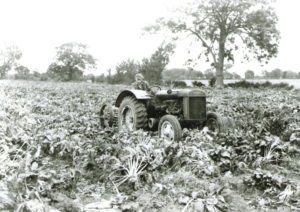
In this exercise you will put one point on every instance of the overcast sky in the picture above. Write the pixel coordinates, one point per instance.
(112, 30)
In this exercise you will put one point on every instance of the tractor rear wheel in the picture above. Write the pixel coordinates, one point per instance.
(170, 128)
(132, 115)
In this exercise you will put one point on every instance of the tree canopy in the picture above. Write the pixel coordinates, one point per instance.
(22, 72)
(249, 74)
(181, 74)
(72, 59)
(153, 67)
(9, 59)
(224, 26)
(126, 71)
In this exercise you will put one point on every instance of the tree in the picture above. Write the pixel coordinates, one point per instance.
(100, 79)
(275, 73)
(90, 78)
(199, 74)
(236, 76)
(181, 74)
(208, 73)
(221, 25)
(9, 59)
(193, 74)
(153, 67)
(126, 71)
(174, 74)
(289, 75)
(227, 75)
(249, 74)
(109, 78)
(265, 74)
(22, 72)
(39, 76)
(72, 59)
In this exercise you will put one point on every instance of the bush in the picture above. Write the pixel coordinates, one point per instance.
(99, 79)
(44, 77)
(212, 81)
(267, 84)
(176, 84)
(180, 84)
(198, 84)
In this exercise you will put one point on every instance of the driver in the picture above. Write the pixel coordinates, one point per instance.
(140, 83)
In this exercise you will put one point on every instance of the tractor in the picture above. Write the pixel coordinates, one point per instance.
(167, 111)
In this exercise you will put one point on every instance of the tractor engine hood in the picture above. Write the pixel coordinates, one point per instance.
(179, 93)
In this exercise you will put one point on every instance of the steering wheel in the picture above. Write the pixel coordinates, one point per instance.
(157, 88)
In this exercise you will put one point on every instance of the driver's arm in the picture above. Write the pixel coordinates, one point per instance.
(146, 86)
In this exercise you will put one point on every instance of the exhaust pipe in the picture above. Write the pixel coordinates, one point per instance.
(152, 123)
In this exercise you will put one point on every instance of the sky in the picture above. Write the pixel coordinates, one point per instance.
(113, 31)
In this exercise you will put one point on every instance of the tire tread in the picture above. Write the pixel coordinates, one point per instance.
(139, 109)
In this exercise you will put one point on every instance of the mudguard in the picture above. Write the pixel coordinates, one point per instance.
(138, 94)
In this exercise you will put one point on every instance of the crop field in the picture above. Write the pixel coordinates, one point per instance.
(55, 157)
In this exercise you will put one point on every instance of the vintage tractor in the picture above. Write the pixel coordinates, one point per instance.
(166, 110)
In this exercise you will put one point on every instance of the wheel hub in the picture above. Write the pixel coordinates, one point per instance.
(212, 125)
(167, 131)
(128, 119)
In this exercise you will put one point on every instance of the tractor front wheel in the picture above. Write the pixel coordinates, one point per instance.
(132, 115)
(215, 123)
(170, 128)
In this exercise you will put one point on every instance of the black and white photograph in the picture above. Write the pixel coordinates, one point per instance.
(149, 105)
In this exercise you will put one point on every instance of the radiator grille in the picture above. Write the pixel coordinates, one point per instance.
(197, 107)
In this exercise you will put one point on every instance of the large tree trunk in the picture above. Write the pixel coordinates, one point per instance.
(220, 65)
(220, 78)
